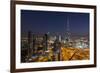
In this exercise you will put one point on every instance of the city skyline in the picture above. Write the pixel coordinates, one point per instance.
(54, 22)
(56, 42)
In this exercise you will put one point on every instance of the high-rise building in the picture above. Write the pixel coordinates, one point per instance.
(67, 31)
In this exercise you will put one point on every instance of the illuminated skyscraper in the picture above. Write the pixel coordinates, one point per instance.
(67, 31)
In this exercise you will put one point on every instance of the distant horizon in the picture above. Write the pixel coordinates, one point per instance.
(55, 34)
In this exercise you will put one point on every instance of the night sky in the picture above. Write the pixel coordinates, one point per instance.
(48, 21)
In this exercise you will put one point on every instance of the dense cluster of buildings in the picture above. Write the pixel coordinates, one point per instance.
(40, 44)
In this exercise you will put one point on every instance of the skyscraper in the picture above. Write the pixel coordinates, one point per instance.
(67, 31)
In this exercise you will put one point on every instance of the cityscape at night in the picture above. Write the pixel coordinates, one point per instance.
(54, 36)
